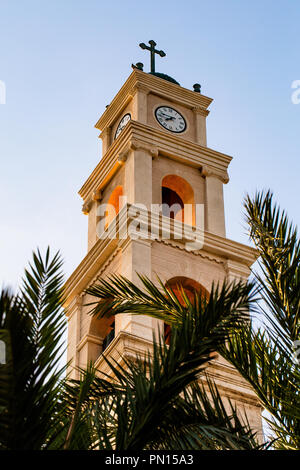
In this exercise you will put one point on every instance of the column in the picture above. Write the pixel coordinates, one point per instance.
(214, 201)
(106, 139)
(139, 106)
(200, 125)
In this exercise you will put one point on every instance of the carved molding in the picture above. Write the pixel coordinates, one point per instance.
(74, 306)
(143, 136)
(122, 157)
(139, 87)
(207, 171)
(155, 85)
(200, 110)
(86, 207)
(88, 338)
(105, 133)
(104, 267)
(97, 195)
(196, 253)
(135, 144)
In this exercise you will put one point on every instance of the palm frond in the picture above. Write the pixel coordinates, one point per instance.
(228, 304)
(279, 248)
(147, 388)
(34, 322)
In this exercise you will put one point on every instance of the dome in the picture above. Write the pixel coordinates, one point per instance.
(164, 77)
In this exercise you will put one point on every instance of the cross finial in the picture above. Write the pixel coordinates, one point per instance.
(153, 51)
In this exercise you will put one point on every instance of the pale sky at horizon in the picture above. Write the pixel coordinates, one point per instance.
(63, 61)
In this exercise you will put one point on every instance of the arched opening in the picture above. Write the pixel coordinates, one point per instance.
(104, 329)
(177, 192)
(170, 199)
(190, 287)
(113, 205)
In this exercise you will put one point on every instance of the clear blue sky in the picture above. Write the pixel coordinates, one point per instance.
(63, 61)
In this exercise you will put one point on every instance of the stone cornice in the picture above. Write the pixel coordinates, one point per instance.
(200, 110)
(88, 338)
(207, 171)
(74, 306)
(128, 346)
(215, 248)
(145, 82)
(124, 345)
(88, 268)
(140, 136)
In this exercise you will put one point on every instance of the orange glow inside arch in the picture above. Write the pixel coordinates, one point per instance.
(184, 191)
(113, 205)
(190, 287)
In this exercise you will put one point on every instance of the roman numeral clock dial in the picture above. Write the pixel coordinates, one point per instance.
(122, 124)
(170, 119)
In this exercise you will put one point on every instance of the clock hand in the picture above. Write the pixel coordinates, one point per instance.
(163, 114)
(167, 116)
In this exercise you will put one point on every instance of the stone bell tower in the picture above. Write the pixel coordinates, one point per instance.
(154, 151)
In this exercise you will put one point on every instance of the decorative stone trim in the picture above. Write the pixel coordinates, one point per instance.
(216, 248)
(136, 144)
(74, 305)
(207, 171)
(141, 136)
(237, 270)
(105, 133)
(86, 207)
(139, 87)
(97, 195)
(196, 253)
(155, 85)
(200, 110)
(88, 338)
(104, 267)
(122, 157)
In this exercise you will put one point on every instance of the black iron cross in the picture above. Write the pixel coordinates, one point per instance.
(153, 51)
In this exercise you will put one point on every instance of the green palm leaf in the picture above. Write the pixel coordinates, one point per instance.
(33, 324)
(152, 385)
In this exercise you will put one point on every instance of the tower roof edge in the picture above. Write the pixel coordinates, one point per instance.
(152, 84)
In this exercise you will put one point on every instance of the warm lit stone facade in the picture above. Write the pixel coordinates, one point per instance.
(143, 158)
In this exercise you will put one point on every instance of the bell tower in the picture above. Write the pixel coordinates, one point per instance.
(154, 155)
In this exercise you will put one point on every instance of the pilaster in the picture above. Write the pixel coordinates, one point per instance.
(74, 311)
(136, 259)
(138, 175)
(200, 125)
(214, 200)
(88, 349)
(139, 105)
(106, 139)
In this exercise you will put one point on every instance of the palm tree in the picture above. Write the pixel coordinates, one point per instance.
(157, 400)
(31, 327)
(265, 356)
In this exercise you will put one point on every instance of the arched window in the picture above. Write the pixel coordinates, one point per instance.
(170, 199)
(189, 286)
(177, 192)
(113, 205)
(104, 329)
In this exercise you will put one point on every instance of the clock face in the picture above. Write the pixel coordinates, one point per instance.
(122, 124)
(170, 119)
